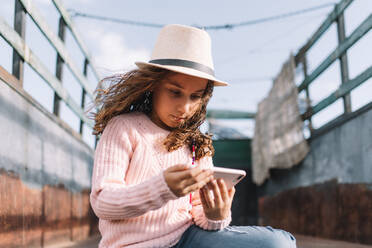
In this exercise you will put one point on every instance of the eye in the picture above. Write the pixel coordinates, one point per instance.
(196, 97)
(174, 92)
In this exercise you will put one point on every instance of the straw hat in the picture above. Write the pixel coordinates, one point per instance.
(184, 49)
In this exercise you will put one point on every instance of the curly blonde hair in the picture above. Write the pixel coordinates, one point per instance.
(131, 92)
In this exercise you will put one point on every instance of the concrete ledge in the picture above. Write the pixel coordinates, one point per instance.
(313, 242)
(88, 243)
(302, 242)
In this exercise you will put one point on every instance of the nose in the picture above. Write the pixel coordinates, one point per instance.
(184, 106)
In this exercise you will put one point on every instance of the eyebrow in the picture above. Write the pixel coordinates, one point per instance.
(174, 83)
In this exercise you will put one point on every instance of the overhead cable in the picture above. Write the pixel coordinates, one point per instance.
(230, 26)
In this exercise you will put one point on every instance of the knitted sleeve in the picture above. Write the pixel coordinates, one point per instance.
(197, 211)
(111, 198)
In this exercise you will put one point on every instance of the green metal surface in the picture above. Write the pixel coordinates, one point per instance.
(232, 153)
(229, 114)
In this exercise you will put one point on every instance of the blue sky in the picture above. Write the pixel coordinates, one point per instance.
(247, 57)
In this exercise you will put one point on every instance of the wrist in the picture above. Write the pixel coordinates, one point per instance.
(174, 196)
(219, 217)
(219, 224)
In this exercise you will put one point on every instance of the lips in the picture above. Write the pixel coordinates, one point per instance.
(178, 118)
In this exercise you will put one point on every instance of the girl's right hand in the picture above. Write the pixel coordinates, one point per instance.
(183, 180)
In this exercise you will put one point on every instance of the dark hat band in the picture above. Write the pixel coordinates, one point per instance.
(184, 63)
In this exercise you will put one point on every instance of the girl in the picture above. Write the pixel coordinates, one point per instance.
(148, 188)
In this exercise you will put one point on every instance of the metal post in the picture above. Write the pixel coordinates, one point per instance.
(86, 62)
(308, 100)
(59, 65)
(19, 27)
(343, 61)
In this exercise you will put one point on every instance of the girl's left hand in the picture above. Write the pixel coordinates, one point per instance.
(219, 207)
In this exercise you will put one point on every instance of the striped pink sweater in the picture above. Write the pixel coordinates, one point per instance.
(129, 194)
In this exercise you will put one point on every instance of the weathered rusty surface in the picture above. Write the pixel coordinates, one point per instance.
(33, 217)
(328, 210)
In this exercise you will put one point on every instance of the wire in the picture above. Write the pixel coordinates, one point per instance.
(260, 50)
(245, 80)
(122, 21)
(268, 19)
(75, 13)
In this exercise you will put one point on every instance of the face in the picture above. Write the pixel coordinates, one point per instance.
(175, 99)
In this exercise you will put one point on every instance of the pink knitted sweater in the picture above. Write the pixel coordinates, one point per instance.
(129, 194)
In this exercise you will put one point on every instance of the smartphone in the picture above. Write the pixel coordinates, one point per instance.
(229, 175)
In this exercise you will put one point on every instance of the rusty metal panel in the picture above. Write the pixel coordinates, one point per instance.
(329, 210)
(33, 217)
(45, 175)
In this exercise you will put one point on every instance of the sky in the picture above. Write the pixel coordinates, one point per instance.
(247, 57)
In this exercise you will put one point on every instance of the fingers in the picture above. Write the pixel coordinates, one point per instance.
(196, 195)
(216, 193)
(219, 207)
(190, 173)
(171, 177)
(184, 180)
(199, 182)
(178, 167)
(206, 198)
(203, 176)
(223, 190)
(203, 197)
(221, 194)
(231, 192)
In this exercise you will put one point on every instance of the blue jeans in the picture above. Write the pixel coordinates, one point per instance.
(236, 237)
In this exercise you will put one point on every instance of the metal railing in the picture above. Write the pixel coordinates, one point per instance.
(22, 53)
(340, 52)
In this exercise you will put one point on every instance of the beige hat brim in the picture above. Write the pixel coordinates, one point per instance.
(184, 70)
